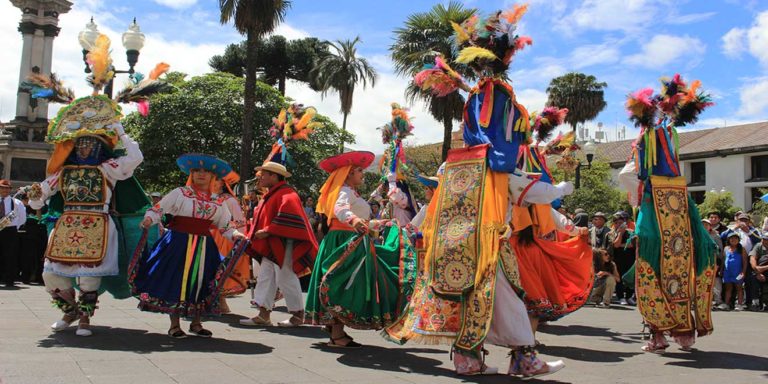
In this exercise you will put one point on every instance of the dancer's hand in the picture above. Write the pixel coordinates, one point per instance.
(237, 235)
(360, 225)
(146, 223)
(261, 234)
(583, 231)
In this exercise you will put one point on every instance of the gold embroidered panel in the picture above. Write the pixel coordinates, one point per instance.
(83, 185)
(79, 238)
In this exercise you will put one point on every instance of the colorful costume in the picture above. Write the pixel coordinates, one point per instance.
(468, 291)
(675, 267)
(289, 251)
(237, 282)
(355, 282)
(183, 273)
(94, 199)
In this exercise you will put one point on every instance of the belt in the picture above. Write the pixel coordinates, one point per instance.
(191, 225)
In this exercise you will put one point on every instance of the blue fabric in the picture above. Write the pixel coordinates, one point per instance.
(733, 266)
(502, 156)
(427, 182)
(190, 161)
(159, 276)
(662, 167)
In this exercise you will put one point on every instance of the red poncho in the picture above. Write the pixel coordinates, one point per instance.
(281, 214)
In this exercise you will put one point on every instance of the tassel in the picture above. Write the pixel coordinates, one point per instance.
(487, 108)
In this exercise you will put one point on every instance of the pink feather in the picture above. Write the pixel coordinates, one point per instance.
(522, 41)
(143, 107)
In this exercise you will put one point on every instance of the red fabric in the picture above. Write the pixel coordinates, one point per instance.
(281, 215)
(557, 277)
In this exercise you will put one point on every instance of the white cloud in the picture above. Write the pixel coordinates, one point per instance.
(595, 54)
(609, 15)
(662, 50)
(734, 42)
(531, 99)
(690, 18)
(177, 4)
(752, 96)
(758, 38)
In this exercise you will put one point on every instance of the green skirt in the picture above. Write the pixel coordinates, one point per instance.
(362, 285)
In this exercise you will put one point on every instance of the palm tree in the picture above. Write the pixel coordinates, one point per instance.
(582, 94)
(341, 70)
(253, 18)
(424, 36)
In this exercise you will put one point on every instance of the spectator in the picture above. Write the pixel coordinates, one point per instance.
(12, 211)
(623, 254)
(156, 197)
(309, 210)
(717, 290)
(375, 210)
(758, 259)
(734, 271)
(606, 277)
(580, 218)
(748, 237)
(715, 221)
(598, 231)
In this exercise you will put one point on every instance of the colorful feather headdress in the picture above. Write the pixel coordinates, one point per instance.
(100, 62)
(48, 87)
(392, 134)
(439, 79)
(293, 123)
(488, 44)
(678, 104)
(542, 124)
(138, 89)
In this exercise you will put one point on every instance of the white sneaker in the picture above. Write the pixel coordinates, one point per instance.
(85, 332)
(554, 366)
(623, 302)
(738, 307)
(60, 325)
(723, 307)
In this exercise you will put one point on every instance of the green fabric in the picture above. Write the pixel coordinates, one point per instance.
(365, 290)
(650, 239)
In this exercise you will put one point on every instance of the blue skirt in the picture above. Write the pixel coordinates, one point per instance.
(182, 275)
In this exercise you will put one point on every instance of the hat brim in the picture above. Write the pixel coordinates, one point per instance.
(430, 182)
(362, 159)
(274, 170)
(189, 161)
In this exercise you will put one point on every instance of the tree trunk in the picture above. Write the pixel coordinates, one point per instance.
(281, 85)
(343, 133)
(249, 105)
(447, 136)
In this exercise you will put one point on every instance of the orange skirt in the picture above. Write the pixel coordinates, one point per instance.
(557, 276)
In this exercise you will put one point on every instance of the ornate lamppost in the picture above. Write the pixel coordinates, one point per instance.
(133, 41)
(589, 152)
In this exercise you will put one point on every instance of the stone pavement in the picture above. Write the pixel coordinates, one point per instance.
(128, 346)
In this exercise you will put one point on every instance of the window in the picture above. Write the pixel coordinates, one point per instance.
(27, 169)
(698, 173)
(759, 168)
(698, 196)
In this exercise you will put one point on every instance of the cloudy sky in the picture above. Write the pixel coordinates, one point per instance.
(627, 43)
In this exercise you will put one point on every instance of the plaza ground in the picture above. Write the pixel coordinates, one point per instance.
(128, 346)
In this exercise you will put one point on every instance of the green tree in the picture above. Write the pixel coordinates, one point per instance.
(341, 71)
(425, 35)
(278, 60)
(582, 94)
(253, 18)
(721, 202)
(598, 191)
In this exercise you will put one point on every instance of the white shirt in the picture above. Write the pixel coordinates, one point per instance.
(349, 205)
(15, 205)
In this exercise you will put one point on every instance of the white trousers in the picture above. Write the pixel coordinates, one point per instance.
(510, 326)
(272, 276)
(62, 283)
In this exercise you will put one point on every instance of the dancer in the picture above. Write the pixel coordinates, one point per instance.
(285, 243)
(675, 266)
(237, 282)
(354, 282)
(183, 273)
(91, 190)
(470, 280)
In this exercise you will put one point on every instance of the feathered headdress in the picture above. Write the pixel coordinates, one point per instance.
(138, 89)
(678, 103)
(48, 87)
(292, 123)
(399, 127)
(101, 64)
(545, 122)
(439, 79)
(488, 44)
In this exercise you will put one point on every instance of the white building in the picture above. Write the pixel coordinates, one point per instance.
(732, 158)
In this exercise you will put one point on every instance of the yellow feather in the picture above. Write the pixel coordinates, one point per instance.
(470, 54)
(309, 114)
(101, 63)
(567, 139)
(461, 34)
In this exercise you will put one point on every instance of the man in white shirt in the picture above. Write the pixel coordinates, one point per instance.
(12, 216)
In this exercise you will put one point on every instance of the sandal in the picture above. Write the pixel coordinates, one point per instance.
(199, 331)
(257, 321)
(652, 349)
(351, 344)
(176, 333)
(293, 322)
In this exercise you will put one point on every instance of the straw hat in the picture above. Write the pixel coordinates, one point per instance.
(273, 167)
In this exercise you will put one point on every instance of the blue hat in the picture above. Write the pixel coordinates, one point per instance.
(430, 182)
(190, 161)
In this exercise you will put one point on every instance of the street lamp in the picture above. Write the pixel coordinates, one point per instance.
(589, 151)
(133, 41)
